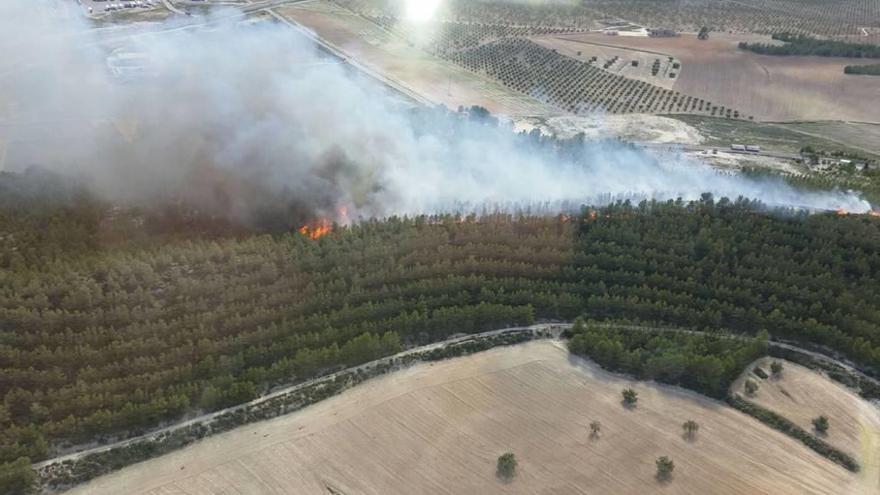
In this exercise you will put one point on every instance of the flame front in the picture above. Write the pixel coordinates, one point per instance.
(316, 230)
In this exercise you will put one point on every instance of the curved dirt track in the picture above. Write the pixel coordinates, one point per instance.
(438, 428)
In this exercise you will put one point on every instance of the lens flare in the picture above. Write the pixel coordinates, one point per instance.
(421, 10)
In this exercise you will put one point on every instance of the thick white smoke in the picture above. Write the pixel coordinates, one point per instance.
(246, 117)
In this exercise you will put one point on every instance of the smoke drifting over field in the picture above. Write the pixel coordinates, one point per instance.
(254, 121)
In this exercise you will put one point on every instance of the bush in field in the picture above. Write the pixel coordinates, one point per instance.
(776, 368)
(665, 466)
(506, 466)
(751, 387)
(690, 428)
(821, 424)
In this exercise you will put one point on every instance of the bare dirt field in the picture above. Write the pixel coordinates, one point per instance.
(801, 394)
(635, 128)
(434, 79)
(766, 87)
(438, 429)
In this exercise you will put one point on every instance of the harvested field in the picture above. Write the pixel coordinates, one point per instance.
(859, 136)
(801, 394)
(766, 87)
(418, 71)
(438, 428)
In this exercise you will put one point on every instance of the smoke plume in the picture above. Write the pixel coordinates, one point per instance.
(252, 119)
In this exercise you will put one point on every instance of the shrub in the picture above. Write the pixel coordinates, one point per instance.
(665, 466)
(776, 368)
(506, 465)
(751, 387)
(821, 424)
(690, 428)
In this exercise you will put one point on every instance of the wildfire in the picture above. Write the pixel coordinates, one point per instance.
(316, 230)
(874, 213)
(842, 213)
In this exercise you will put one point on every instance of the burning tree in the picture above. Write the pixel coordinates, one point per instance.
(316, 229)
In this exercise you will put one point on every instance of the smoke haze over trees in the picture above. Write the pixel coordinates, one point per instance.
(254, 124)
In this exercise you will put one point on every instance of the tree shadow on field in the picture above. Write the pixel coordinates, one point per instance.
(505, 478)
(663, 479)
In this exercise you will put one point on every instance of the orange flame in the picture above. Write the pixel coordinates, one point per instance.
(874, 213)
(842, 213)
(317, 229)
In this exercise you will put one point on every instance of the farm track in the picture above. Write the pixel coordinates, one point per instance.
(556, 330)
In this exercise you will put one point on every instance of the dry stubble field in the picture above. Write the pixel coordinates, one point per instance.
(800, 395)
(438, 429)
(766, 87)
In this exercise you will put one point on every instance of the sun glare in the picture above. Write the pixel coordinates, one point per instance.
(421, 10)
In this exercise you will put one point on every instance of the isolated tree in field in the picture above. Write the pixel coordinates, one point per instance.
(690, 428)
(665, 466)
(506, 466)
(630, 397)
(595, 428)
(704, 33)
(776, 368)
(751, 387)
(821, 424)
